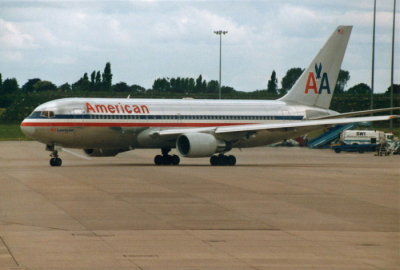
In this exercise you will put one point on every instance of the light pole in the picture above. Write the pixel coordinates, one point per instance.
(220, 33)
(392, 66)
(373, 59)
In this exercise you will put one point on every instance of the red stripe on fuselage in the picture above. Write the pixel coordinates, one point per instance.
(77, 124)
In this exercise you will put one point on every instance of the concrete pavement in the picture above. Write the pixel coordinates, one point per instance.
(280, 208)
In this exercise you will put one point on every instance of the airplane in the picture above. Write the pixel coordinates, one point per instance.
(105, 127)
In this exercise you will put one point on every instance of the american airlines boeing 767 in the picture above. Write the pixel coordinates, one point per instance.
(196, 128)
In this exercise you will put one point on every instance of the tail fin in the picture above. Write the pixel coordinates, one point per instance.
(316, 85)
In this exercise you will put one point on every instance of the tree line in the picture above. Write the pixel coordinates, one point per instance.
(102, 82)
(19, 101)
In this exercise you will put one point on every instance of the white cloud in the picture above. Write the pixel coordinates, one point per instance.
(12, 56)
(61, 60)
(145, 40)
(12, 37)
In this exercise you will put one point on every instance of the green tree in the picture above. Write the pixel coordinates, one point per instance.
(28, 87)
(396, 89)
(93, 81)
(273, 84)
(66, 87)
(42, 86)
(137, 88)
(174, 85)
(121, 87)
(83, 84)
(290, 78)
(98, 78)
(201, 85)
(359, 89)
(1, 82)
(213, 86)
(97, 82)
(107, 77)
(191, 84)
(161, 85)
(343, 78)
(10, 86)
(227, 90)
(93, 77)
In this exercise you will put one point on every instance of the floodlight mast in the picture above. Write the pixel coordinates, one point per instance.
(220, 33)
(392, 65)
(373, 59)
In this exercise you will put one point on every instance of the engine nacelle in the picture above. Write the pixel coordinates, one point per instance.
(199, 145)
(103, 152)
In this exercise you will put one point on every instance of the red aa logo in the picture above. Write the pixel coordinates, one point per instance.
(312, 81)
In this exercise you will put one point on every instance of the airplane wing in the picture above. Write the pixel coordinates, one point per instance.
(357, 113)
(306, 123)
(270, 126)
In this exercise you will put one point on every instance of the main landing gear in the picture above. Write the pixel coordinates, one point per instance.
(166, 159)
(223, 160)
(55, 161)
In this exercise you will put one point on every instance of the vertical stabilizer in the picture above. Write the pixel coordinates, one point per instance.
(316, 84)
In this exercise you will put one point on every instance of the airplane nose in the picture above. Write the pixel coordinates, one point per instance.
(27, 130)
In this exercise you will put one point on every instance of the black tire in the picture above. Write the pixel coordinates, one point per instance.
(52, 162)
(175, 160)
(158, 160)
(337, 150)
(222, 160)
(55, 162)
(58, 161)
(214, 160)
(231, 160)
(167, 160)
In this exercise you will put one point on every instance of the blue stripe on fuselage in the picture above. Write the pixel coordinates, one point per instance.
(170, 117)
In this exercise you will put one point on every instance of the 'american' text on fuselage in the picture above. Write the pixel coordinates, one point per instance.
(116, 108)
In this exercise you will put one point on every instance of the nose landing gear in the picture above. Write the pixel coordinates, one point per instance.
(166, 159)
(55, 161)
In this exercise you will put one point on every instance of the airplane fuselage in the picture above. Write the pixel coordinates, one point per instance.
(89, 123)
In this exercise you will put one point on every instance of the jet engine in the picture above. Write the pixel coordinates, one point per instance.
(200, 145)
(103, 152)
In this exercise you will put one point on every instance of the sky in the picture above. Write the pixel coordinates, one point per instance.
(143, 40)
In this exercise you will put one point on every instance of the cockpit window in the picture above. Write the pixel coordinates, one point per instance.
(47, 114)
(35, 114)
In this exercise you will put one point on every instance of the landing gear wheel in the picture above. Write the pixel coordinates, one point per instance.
(158, 160)
(214, 161)
(222, 160)
(55, 162)
(166, 159)
(175, 160)
(231, 160)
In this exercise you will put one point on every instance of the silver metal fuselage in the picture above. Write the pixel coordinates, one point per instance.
(92, 123)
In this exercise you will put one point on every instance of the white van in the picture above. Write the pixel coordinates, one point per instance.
(363, 137)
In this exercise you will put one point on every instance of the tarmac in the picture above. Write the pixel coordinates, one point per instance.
(279, 208)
